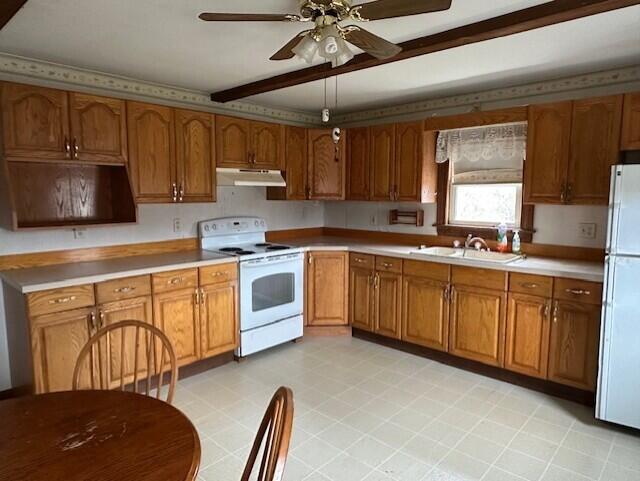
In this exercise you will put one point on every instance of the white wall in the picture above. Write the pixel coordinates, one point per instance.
(155, 223)
(554, 224)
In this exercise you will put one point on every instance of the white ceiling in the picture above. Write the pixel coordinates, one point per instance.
(163, 41)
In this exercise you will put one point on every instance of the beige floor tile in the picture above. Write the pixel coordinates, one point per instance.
(340, 435)
(317, 476)
(486, 393)
(614, 472)
(314, 422)
(355, 397)
(412, 419)
(210, 453)
(629, 441)
(533, 446)
(578, 463)
(315, 452)
(474, 406)
(234, 437)
(378, 476)
(460, 419)
(426, 450)
(345, 467)
(555, 473)
(507, 417)
(480, 448)
(625, 457)
(295, 470)
(392, 434)
(362, 421)
(518, 404)
(196, 410)
(382, 409)
(335, 408)
(497, 474)
(437, 474)
(521, 465)
(443, 433)
(464, 466)
(544, 430)
(554, 415)
(227, 469)
(494, 432)
(429, 407)
(402, 467)
(370, 451)
(589, 445)
(444, 396)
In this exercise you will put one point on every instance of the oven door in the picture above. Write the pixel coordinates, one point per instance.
(271, 289)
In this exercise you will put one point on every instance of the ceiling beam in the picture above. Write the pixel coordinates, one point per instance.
(8, 8)
(546, 14)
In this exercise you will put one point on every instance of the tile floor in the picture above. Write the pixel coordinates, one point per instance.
(365, 412)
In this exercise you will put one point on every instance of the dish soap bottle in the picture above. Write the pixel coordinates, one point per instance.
(515, 243)
(502, 237)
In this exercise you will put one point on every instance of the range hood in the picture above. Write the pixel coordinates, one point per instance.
(250, 178)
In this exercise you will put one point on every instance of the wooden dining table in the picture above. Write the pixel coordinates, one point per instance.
(96, 435)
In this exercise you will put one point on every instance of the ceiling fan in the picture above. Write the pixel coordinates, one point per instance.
(328, 37)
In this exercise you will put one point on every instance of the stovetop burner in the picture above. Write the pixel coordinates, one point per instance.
(277, 248)
(244, 253)
(263, 244)
(231, 249)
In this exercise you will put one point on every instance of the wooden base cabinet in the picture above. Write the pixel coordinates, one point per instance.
(425, 312)
(327, 289)
(573, 349)
(361, 297)
(527, 338)
(477, 324)
(218, 318)
(388, 304)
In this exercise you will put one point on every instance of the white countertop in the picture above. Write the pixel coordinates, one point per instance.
(545, 266)
(65, 275)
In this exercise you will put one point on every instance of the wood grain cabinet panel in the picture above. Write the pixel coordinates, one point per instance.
(195, 156)
(415, 177)
(573, 347)
(388, 304)
(527, 337)
(35, 123)
(62, 299)
(425, 312)
(361, 297)
(296, 158)
(99, 128)
(152, 152)
(327, 289)
(176, 314)
(631, 122)
(56, 341)
(218, 318)
(382, 154)
(266, 146)
(477, 324)
(548, 144)
(595, 147)
(233, 142)
(358, 164)
(326, 166)
(120, 289)
(137, 309)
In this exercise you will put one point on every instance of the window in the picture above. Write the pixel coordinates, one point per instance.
(485, 204)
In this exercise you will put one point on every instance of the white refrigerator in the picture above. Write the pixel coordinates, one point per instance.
(618, 395)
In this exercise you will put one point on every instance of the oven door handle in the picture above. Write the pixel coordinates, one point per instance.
(263, 263)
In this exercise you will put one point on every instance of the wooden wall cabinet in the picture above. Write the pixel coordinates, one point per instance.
(327, 289)
(415, 176)
(571, 147)
(382, 154)
(358, 164)
(248, 144)
(296, 167)
(326, 168)
(631, 122)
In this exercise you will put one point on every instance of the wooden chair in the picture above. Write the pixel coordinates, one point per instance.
(275, 434)
(127, 353)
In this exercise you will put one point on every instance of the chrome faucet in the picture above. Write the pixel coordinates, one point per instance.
(476, 242)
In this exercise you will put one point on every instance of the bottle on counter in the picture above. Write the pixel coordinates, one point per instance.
(502, 237)
(515, 243)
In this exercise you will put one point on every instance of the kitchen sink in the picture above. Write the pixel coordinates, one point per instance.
(471, 254)
(439, 251)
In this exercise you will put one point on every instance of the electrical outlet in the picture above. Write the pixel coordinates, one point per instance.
(588, 230)
(177, 224)
(79, 234)
(373, 220)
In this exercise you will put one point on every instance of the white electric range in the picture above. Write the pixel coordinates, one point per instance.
(271, 281)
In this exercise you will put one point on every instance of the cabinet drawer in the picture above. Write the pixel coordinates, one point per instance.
(119, 289)
(389, 264)
(429, 270)
(172, 280)
(218, 273)
(365, 261)
(58, 300)
(474, 277)
(579, 291)
(529, 284)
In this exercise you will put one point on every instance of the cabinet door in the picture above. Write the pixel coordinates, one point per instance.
(573, 348)
(477, 324)
(266, 146)
(545, 168)
(233, 141)
(408, 161)
(152, 152)
(327, 289)
(595, 147)
(388, 304)
(35, 122)
(358, 164)
(195, 156)
(176, 314)
(295, 153)
(527, 339)
(219, 319)
(137, 309)
(98, 128)
(382, 152)
(56, 341)
(631, 122)
(425, 312)
(361, 298)
(326, 166)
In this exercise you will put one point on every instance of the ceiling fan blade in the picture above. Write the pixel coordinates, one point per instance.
(380, 9)
(246, 17)
(372, 44)
(286, 52)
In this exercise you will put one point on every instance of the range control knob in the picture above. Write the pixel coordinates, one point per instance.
(207, 228)
(214, 226)
(257, 223)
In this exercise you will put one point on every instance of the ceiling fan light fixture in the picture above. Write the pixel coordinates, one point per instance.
(329, 47)
(344, 54)
(306, 49)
